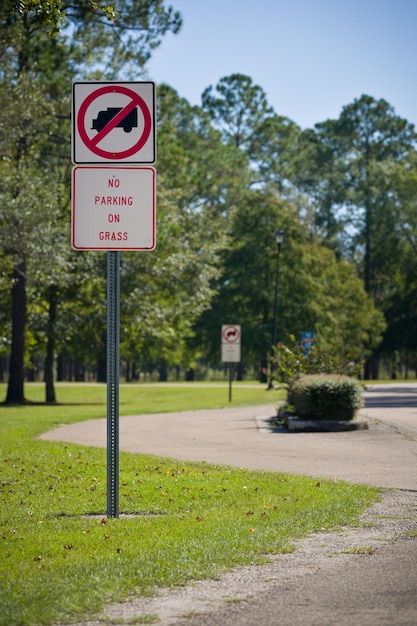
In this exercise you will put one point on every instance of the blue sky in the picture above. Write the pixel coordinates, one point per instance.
(311, 57)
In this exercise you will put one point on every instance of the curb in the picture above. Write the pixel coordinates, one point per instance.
(295, 424)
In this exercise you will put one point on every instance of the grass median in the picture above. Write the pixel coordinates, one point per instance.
(62, 559)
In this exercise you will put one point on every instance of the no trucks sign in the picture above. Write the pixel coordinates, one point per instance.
(113, 123)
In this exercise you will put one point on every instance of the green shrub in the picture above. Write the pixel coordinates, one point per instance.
(321, 396)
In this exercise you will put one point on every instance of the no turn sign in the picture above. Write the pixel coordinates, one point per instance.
(113, 123)
(231, 334)
(231, 343)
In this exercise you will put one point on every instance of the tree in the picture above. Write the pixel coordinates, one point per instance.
(237, 108)
(54, 14)
(367, 135)
(398, 257)
(347, 173)
(316, 293)
(27, 194)
(36, 70)
(167, 290)
(274, 149)
(318, 177)
(47, 12)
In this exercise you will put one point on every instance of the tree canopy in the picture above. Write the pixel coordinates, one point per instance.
(230, 173)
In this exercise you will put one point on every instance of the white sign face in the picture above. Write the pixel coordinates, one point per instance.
(113, 122)
(113, 208)
(231, 352)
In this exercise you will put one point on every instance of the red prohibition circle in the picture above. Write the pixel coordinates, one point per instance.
(91, 143)
(231, 338)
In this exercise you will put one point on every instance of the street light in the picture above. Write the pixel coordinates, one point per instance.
(279, 238)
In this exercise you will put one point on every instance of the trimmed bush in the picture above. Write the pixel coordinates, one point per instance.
(323, 396)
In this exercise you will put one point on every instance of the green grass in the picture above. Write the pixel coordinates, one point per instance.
(62, 559)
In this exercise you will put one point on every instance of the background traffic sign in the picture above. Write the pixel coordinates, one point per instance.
(230, 343)
(307, 341)
(230, 334)
(113, 122)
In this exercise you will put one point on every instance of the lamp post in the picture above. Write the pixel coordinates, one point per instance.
(279, 238)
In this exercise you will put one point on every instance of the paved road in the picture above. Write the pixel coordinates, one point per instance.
(379, 588)
(396, 404)
(385, 455)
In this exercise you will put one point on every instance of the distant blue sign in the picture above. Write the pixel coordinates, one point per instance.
(307, 341)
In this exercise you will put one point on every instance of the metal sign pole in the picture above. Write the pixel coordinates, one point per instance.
(231, 376)
(113, 369)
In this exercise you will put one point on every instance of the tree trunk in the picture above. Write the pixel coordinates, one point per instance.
(60, 368)
(163, 373)
(50, 346)
(190, 375)
(371, 370)
(15, 389)
(102, 370)
(263, 371)
(79, 372)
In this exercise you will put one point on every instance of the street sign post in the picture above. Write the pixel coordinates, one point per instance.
(230, 344)
(113, 208)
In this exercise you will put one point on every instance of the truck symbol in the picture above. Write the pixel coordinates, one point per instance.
(127, 123)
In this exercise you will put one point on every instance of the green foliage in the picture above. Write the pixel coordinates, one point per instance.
(399, 183)
(47, 12)
(150, 18)
(62, 559)
(229, 174)
(117, 48)
(319, 396)
(238, 108)
(165, 292)
(245, 286)
(35, 98)
(289, 363)
(345, 169)
(335, 304)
